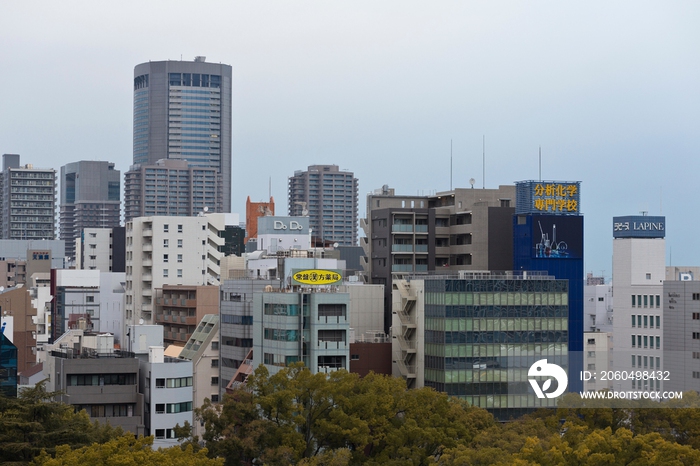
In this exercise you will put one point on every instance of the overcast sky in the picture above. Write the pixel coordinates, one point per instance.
(609, 90)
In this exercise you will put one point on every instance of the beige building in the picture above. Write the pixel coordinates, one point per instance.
(180, 308)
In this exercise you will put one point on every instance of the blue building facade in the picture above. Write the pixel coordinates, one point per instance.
(548, 236)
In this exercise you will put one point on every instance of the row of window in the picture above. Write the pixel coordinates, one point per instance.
(171, 408)
(101, 379)
(174, 383)
(645, 321)
(648, 384)
(648, 362)
(648, 341)
(646, 300)
(109, 410)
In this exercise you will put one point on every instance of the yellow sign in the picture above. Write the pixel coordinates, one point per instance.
(555, 197)
(317, 277)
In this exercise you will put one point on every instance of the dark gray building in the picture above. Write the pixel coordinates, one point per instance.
(329, 197)
(464, 229)
(27, 200)
(90, 198)
(182, 111)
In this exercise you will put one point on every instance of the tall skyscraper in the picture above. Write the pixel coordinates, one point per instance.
(89, 199)
(27, 200)
(182, 111)
(330, 197)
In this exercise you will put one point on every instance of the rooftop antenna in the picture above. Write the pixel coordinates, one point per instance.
(450, 164)
(483, 161)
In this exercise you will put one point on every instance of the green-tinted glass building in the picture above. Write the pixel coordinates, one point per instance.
(475, 335)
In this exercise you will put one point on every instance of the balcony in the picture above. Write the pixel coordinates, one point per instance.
(147, 232)
(401, 228)
(402, 268)
(401, 248)
(147, 247)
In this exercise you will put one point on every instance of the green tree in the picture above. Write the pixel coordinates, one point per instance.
(295, 417)
(34, 422)
(125, 451)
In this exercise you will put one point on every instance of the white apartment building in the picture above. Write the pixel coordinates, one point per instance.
(169, 251)
(93, 249)
(639, 269)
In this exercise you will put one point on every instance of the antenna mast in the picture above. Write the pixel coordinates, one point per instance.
(450, 164)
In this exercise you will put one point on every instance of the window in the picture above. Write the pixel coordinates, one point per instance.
(165, 273)
(179, 228)
(696, 296)
(645, 321)
(645, 341)
(648, 276)
(160, 433)
(215, 381)
(639, 341)
(696, 335)
(215, 398)
(165, 243)
(166, 228)
(658, 321)
(179, 243)
(696, 354)
(634, 341)
(354, 357)
(634, 301)
(214, 363)
(658, 342)
(165, 258)
(160, 408)
(634, 358)
(696, 375)
(160, 383)
(696, 315)
(646, 300)
(658, 300)
(179, 273)
(591, 341)
(179, 258)
(634, 320)
(89, 299)
(214, 345)
(601, 299)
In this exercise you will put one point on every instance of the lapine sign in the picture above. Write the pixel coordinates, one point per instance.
(639, 226)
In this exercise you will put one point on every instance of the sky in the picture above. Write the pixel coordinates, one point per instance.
(609, 91)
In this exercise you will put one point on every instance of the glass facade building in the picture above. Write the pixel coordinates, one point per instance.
(477, 337)
(182, 111)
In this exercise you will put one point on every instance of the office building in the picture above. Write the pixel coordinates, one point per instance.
(90, 198)
(463, 229)
(548, 236)
(169, 250)
(681, 333)
(89, 373)
(639, 270)
(329, 197)
(182, 111)
(27, 200)
(474, 335)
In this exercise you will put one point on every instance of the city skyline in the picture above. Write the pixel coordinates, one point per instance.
(388, 92)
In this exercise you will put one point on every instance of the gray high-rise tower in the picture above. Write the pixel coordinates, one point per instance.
(89, 199)
(329, 197)
(182, 111)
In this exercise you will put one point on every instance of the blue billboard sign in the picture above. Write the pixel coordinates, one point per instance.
(639, 226)
(548, 197)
